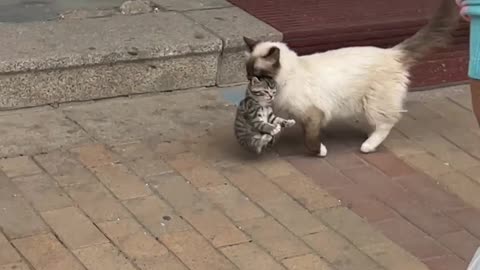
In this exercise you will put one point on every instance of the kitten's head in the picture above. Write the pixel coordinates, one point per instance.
(263, 58)
(262, 90)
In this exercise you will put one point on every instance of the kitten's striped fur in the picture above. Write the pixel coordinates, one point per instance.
(255, 124)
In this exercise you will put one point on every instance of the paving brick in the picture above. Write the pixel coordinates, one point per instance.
(306, 192)
(464, 138)
(419, 111)
(67, 220)
(461, 186)
(18, 219)
(351, 226)
(196, 171)
(142, 159)
(452, 112)
(306, 262)
(156, 215)
(210, 222)
(252, 183)
(42, 192)
(94, 155)
(275, 167)
(15, 266)
(8, 254)
(319, 171)
(344, 161)
(468, 218)
(433, 223)
(65, 169)
(446, 263)
(292, 215)
(428, 164)
(403, 147)
(45, 252)
(140, 247)
(413, 128)
(473, 173)
(169, 149)
(249, 256)
(363, 204)
(428, 191)
(19, 166)
(447, 152)
(400, 230)
(377, 184)
(214, 226)
(103, 257)
(388, 164)
(391, 256)
(235, 205)
(339, 252)
(461, 243)
(275, 238)
(424, 248)
(175, 189)
(121, 181)
(195, 252)
(95, 200)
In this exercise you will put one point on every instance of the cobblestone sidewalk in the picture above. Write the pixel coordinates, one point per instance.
(157, 182)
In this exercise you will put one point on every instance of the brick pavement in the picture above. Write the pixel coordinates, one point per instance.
(200, 203)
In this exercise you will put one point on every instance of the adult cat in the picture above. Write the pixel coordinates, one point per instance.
(314, 89)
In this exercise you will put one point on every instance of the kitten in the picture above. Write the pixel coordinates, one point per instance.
(347, 82)
(255, 123)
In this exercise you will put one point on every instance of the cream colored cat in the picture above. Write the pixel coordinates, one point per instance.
(314, 89)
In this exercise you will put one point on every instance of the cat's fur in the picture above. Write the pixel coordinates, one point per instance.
(317, 88)
(255, 124)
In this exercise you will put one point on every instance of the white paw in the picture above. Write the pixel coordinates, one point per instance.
(290, 123)
(367, 148)
(323, 151)
(276, 130)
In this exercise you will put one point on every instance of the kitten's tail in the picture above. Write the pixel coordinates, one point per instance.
(436, 34)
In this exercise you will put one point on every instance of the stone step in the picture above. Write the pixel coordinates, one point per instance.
(77, 60)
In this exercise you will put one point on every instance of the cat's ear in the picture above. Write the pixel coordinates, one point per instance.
(251, 43)
(273, 54)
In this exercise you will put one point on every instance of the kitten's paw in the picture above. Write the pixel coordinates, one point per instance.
(276, 130)
(290, 123)
(367, 148)
(322, 151)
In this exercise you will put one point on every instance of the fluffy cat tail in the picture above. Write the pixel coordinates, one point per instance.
(436, 34)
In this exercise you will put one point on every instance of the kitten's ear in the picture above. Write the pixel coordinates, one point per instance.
(255, 80)
(273, 54)
(251, 43)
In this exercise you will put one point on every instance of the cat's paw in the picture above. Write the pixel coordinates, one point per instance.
(290, 123)
(276, 130)
(367, 148)
(322, 151)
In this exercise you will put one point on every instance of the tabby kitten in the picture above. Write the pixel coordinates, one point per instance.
(255, 123)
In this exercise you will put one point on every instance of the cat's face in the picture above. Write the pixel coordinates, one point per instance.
(262, 90)
(263, 61)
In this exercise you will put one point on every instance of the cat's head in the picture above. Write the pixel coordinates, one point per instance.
(263, 58)
(262, 90)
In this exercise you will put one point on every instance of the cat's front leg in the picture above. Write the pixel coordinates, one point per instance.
(272, 129)
(284, 122)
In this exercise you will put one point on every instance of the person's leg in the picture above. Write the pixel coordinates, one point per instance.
(473, 10)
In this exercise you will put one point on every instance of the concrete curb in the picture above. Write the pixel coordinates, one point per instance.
(77, 60)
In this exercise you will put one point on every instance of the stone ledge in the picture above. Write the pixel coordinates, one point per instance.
(78, 60)
(64, 44)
